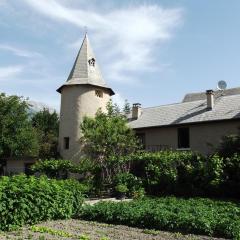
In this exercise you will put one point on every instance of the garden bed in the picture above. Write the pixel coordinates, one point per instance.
(194, 215)
(83, 230)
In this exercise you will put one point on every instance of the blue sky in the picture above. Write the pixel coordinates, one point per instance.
(152, 52)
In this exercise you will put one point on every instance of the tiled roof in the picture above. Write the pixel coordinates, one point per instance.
(226, 107)
(83, 72)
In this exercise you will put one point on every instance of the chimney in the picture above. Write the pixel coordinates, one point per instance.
(136, 110)
(210, 99)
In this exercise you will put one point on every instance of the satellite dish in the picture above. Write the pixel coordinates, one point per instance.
(222, 85)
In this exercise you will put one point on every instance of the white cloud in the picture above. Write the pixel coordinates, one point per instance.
(19, 52)
(129, 37)
(10, 71)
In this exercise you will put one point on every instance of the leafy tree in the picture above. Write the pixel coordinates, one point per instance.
(106, 138)
(46, 125)
(17, 136)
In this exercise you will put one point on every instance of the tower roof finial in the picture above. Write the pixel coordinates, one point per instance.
(85, 30)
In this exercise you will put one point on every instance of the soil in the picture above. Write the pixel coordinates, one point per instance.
(83, 230)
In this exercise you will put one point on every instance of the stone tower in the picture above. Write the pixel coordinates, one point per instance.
(84, 92)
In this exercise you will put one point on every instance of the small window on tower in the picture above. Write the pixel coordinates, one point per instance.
(91, 62)
(99, 93)
(66, 143)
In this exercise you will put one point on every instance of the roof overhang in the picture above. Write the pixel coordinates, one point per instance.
(102, 87)
(187, 124)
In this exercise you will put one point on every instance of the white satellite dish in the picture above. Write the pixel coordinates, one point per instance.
(222, 85)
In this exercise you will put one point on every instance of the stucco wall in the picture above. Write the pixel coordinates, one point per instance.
(158, 138)
(16, 166)
(76, 102)
(203, 137)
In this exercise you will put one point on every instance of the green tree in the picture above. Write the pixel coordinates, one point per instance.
(46, 125)
(106, 139)
(126, 107)
(17, 136)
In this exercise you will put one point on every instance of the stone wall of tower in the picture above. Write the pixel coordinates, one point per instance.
(77, 101)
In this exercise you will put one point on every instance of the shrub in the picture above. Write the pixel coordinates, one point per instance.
(138, 194)
(121, 188)
(231, 176)
(55, 168)
(200, 216)
(187, 173)
(229, 145)
(132, 182)
(171, 172)
(28, 200)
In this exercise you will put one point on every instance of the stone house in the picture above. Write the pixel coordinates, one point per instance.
(197, 123)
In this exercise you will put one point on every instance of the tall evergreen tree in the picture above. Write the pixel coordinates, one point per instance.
(126, 107)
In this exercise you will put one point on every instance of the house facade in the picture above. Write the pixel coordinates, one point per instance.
(197, 123)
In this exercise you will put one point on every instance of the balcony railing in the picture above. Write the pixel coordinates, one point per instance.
(156, 148)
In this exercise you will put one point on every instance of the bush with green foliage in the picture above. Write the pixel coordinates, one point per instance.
(121, 188)
(132, 182)
(187, 173)
(138, 193)
(231, 175)
(199, 216)
(28, 200)
(168, 171)
(55, 168)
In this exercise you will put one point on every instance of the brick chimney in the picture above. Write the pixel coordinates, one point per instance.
(210, 99)
(136, 110)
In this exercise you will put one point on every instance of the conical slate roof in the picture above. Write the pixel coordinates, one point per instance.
(85, 70)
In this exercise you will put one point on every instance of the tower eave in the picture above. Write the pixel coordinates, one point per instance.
(59, 90)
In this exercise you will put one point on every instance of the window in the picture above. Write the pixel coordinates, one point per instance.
(183, 138)
(91, 62)
(66, 143)
(99, 93)
(142, 139)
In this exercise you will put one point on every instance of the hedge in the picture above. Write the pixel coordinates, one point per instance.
(187, 173)
(196, 216)
(54, 168)
(28, 200)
